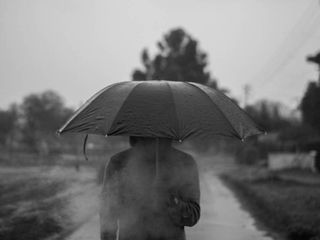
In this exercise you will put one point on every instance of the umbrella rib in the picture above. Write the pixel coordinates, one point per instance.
(259, 128)
(175, 110)
(123, 103)
(236, 134)
(84, 106)
(244, 113)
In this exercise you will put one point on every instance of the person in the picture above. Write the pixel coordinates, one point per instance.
(145, 200)
(317, 160)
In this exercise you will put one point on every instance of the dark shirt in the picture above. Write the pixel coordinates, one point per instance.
(140, 202)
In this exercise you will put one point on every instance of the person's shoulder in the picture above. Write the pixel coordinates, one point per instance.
(181, 153)
(123, 154)
(183, 157)
(118, 160)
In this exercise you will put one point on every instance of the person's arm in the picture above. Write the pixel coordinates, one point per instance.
(108, 203)
(184, 207)
(184, 212)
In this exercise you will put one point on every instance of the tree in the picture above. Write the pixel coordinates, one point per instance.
(310, 106)
(310, 103)
(42, 115)
(8, 120)
(179, 59)
(267, 114)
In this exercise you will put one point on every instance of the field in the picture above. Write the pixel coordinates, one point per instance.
(285, 205)
(45, 202)
(52, 201)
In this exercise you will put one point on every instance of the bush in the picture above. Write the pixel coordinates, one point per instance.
(248, 155)
(302, 233)
(288, 208)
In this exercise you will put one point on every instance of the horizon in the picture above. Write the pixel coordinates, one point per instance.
(76, 48)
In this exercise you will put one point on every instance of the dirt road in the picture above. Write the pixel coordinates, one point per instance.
(222, 217)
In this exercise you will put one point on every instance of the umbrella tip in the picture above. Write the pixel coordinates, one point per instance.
(106, 135)
(58, 132)
(242, 139)
(180, 141)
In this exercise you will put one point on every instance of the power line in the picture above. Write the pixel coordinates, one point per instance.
(288, 58)
(294, 41)
(286, 51)
(289, 47)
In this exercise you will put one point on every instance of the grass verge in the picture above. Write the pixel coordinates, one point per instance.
(289, 208)
(45, 203)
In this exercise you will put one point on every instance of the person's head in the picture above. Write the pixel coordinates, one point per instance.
(148, 141)
(165, 142)
(133, 140)
(141, 141)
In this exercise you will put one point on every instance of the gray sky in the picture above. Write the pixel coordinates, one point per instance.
(77, 47)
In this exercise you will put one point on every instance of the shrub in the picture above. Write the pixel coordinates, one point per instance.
(248, 155)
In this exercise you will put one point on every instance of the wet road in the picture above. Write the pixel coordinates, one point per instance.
(222, 217)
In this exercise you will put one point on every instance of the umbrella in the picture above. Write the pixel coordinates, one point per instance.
(161, 109)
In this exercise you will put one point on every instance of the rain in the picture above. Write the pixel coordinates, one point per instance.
(159, 120)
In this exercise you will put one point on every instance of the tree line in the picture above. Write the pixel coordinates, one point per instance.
(31, 125)
(179, 58)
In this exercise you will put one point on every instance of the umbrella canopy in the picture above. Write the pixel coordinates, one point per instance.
(161, 109)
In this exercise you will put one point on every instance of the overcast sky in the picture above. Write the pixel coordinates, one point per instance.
(77, 47)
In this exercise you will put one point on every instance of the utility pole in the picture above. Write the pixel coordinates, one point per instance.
(246, 93)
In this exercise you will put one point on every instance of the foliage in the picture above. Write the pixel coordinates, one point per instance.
(8, 120)
(267, 114)
(288, 208)
(179, 59)
(248, 155)
(42, 115)
(310, 105)
(299, 133)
